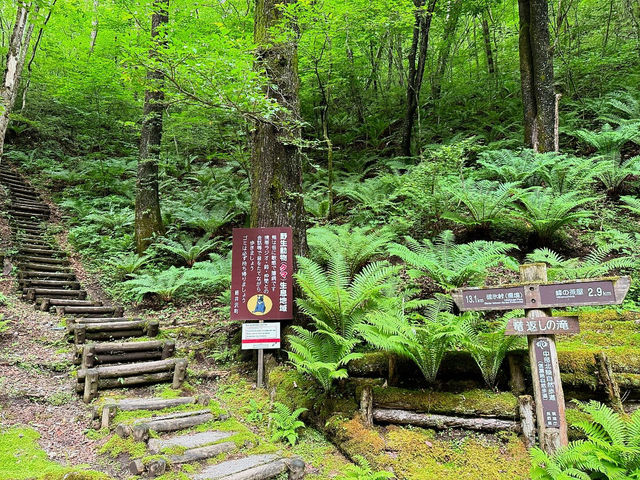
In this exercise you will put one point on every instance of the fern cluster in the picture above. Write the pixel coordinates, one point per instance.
(611, 449)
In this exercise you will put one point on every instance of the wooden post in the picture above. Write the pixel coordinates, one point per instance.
(90, 386)
(516, 375)
(545, 372)
(366, 406)
(527, 420)
(260, 379)
(605, 374)
(108, 414)
(179, 373)
(296, 469)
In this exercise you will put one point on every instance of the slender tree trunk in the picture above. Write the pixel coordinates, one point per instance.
(276, 167)
(450, 28)
(417, 61)
(16, 54)
(536, 75)
(34, 50)
(148, 218)
(486, 35)
(94, 26)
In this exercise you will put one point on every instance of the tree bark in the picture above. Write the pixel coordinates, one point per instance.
(486, 34)
(148, 221)
(16, 54)
(450, 27)
(417, 61)
(536, 75)
(94, 26)
(276, 166)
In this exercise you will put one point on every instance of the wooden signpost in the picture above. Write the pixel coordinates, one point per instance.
(262, 285)
(537, 296)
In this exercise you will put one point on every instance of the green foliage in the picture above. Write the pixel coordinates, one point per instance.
(363, 471)
(488, 345)
(593, 265)
(422, 338)
(632, 203)
(357, 245)
(255, 414)
(507, 166)
(547, 212)
(187, 249)
(611, 449)
(285, 423)
(338, 306)
(4, 324)
(615, 175)
(204, 277)
(127, 264)
(483, 202)
(452, 265)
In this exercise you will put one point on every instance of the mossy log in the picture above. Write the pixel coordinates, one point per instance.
(202, 453)
(482, 403)
(443, 422)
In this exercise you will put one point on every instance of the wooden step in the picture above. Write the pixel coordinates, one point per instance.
(253, 467)
(39, 259)
(44, 267)
(35, 282)
(32, 294)
(124, 352)
(112, 330)
(45, 304)
(28, 274)
(92, 379)
(166, 423)
(188, 441)
(109, 410)
(41, 251)
(91, 311)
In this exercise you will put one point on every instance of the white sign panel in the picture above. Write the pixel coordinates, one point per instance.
(256, 336)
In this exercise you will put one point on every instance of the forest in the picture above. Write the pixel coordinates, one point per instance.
(424, 153)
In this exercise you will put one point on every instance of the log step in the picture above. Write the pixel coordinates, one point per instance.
(191, 440)
(34, 274)
(254, 467)
(110, 409)
(111, 330)
(44, 267)
(33, 282)
(44, 304)
(174, 369)
(41, 251)
(443, 422)
(54, 261)
(162, 424)
(33, 293)
(109, 353)
(91, 311)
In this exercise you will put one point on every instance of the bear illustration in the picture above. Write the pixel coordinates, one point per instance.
(260, 306)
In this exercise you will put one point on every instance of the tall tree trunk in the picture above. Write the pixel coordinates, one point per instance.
(450, 28)
(486, 34)
(34, 50)
(94, 26)
(276, 166)
(536, 75)
(148, 218)
(417, 61)
(16, 54)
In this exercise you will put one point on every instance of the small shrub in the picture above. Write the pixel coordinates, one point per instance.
(363, 471)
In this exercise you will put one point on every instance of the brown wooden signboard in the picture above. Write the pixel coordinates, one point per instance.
(261, 274)
(537, 297)
(548, 382)
(606, 291)
(542, 326)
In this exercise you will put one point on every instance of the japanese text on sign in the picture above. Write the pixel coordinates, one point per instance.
(261, 274)
(542, 326)
(548, 390)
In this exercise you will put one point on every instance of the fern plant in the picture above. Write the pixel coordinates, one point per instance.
(488, 346)
(337, 306)
(632, 203)
(483, 202)
(451, 265)
(547, 212)
(593, 265)
(362, 470)
(611, 450)
(357, 245)
(165, 284)
(571, 174)
(285, 423)
(127, 264)
(609, 141)
(188, 249)
(614, 174)
(424, 339)
(507, 166)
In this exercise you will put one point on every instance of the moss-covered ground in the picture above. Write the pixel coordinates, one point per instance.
(21, 458)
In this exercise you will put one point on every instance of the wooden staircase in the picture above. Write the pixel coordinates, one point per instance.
(46, 278)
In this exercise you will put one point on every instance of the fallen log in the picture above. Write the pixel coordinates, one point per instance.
(443, 422)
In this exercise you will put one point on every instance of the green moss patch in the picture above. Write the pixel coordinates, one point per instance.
(471, 402)
(117, 445)
(22, 458)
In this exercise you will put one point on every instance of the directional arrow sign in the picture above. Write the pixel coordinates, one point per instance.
(597, 291)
